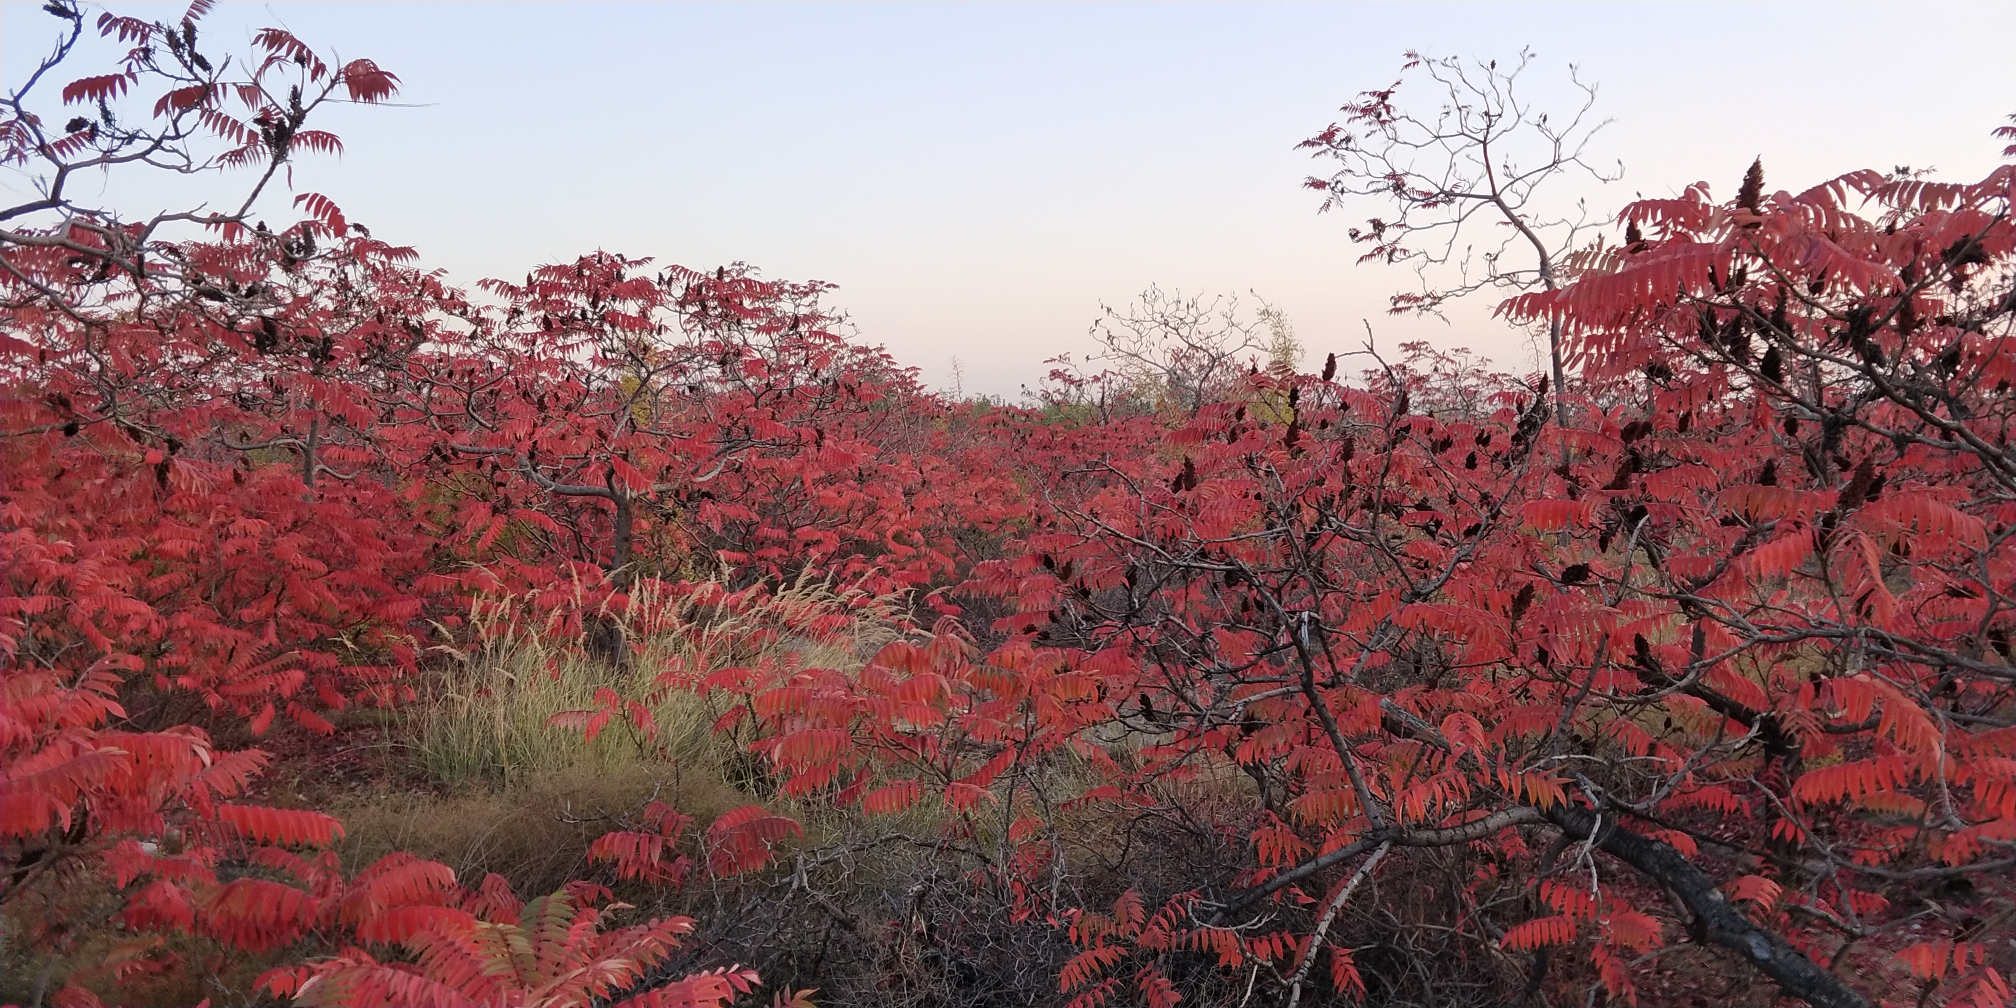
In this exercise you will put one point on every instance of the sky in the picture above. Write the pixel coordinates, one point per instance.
(979, 178)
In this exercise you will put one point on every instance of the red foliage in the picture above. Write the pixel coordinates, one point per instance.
(551, 952)
(1734, 632)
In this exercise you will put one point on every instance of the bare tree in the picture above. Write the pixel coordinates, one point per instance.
(1185, 351)
(1481, 159)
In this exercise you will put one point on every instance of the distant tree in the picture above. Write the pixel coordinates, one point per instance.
(1184, 352)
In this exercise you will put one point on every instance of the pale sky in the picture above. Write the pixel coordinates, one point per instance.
(977, 178)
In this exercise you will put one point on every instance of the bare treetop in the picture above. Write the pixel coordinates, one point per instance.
(1188, 349)
(1480, 159)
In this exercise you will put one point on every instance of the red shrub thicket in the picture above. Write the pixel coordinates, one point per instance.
(1705, 653)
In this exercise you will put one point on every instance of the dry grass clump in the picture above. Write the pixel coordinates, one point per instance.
(522, 796)
(487, 714)
(535, 831)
